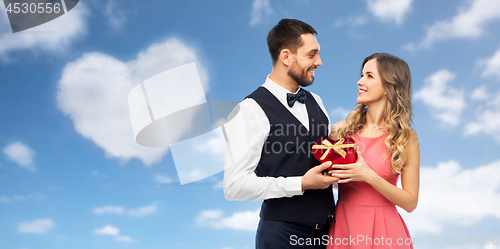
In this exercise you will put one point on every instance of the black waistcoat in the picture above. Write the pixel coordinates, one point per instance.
(287, 152)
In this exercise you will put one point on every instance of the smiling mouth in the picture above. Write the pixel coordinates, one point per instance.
(311, 71)
(361, 91)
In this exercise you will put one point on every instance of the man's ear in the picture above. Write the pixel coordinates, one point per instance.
(286, 57)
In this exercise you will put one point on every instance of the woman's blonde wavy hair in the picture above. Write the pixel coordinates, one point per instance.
(396, 79)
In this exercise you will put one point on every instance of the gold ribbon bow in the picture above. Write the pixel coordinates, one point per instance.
(329, 146)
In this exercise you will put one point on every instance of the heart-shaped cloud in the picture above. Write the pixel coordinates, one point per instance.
(93, 92)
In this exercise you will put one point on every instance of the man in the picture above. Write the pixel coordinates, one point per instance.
(270, 138)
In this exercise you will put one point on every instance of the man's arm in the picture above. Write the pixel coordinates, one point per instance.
(247, 133)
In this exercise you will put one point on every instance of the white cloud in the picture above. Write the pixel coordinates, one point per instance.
(5, 199)
(491, 65)
(113, 231)
(246, 220)
(487, 115)
(93, 92)
(389, 10)
(109, 210)
(107, 230)
(20, 154)
(139, 212)
(340, 113)
(219, 185)
(163, 179)
(480, 93)
(97, 173)
(37, 226)
(126, 239)
(446, 103)
(192, 174)
(216, 145)
(143, 211)
(261, 10)
(443, 190)
(488, 122)
(351, 21)
(468, 23)
(54, 36)
(116, 16)
(37, 196)
(209, 160)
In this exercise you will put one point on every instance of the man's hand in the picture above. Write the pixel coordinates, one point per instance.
(315, 179)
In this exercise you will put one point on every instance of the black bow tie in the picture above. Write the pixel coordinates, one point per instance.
(300, 96)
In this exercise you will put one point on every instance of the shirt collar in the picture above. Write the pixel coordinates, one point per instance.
(277, 90)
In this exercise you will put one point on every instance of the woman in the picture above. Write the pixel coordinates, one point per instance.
(366, 216)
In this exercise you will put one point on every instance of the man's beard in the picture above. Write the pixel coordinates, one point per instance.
(300, 76)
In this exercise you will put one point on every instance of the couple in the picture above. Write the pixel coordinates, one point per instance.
(266, 159)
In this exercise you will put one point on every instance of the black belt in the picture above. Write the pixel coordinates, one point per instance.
(319, 226)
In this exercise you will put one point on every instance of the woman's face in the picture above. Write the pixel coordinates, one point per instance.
(371, 88)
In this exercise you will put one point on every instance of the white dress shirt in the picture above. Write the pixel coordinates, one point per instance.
(246, 134)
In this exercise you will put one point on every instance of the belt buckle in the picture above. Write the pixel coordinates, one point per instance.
(328, 222)
(330, 219)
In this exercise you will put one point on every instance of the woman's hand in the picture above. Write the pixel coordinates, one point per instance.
(358, 171)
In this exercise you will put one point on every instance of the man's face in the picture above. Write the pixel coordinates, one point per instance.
(305, 61)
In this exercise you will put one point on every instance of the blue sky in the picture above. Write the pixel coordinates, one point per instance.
(71, 175)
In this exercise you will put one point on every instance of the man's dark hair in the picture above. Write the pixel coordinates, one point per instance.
(286, 34)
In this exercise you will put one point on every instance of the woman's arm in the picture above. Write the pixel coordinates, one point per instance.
(407, 197)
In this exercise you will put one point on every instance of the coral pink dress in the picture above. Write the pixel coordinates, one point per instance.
(365, 218)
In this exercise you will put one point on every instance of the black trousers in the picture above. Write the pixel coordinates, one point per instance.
(283, 235)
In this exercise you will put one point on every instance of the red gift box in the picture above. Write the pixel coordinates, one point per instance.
(340, 151)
